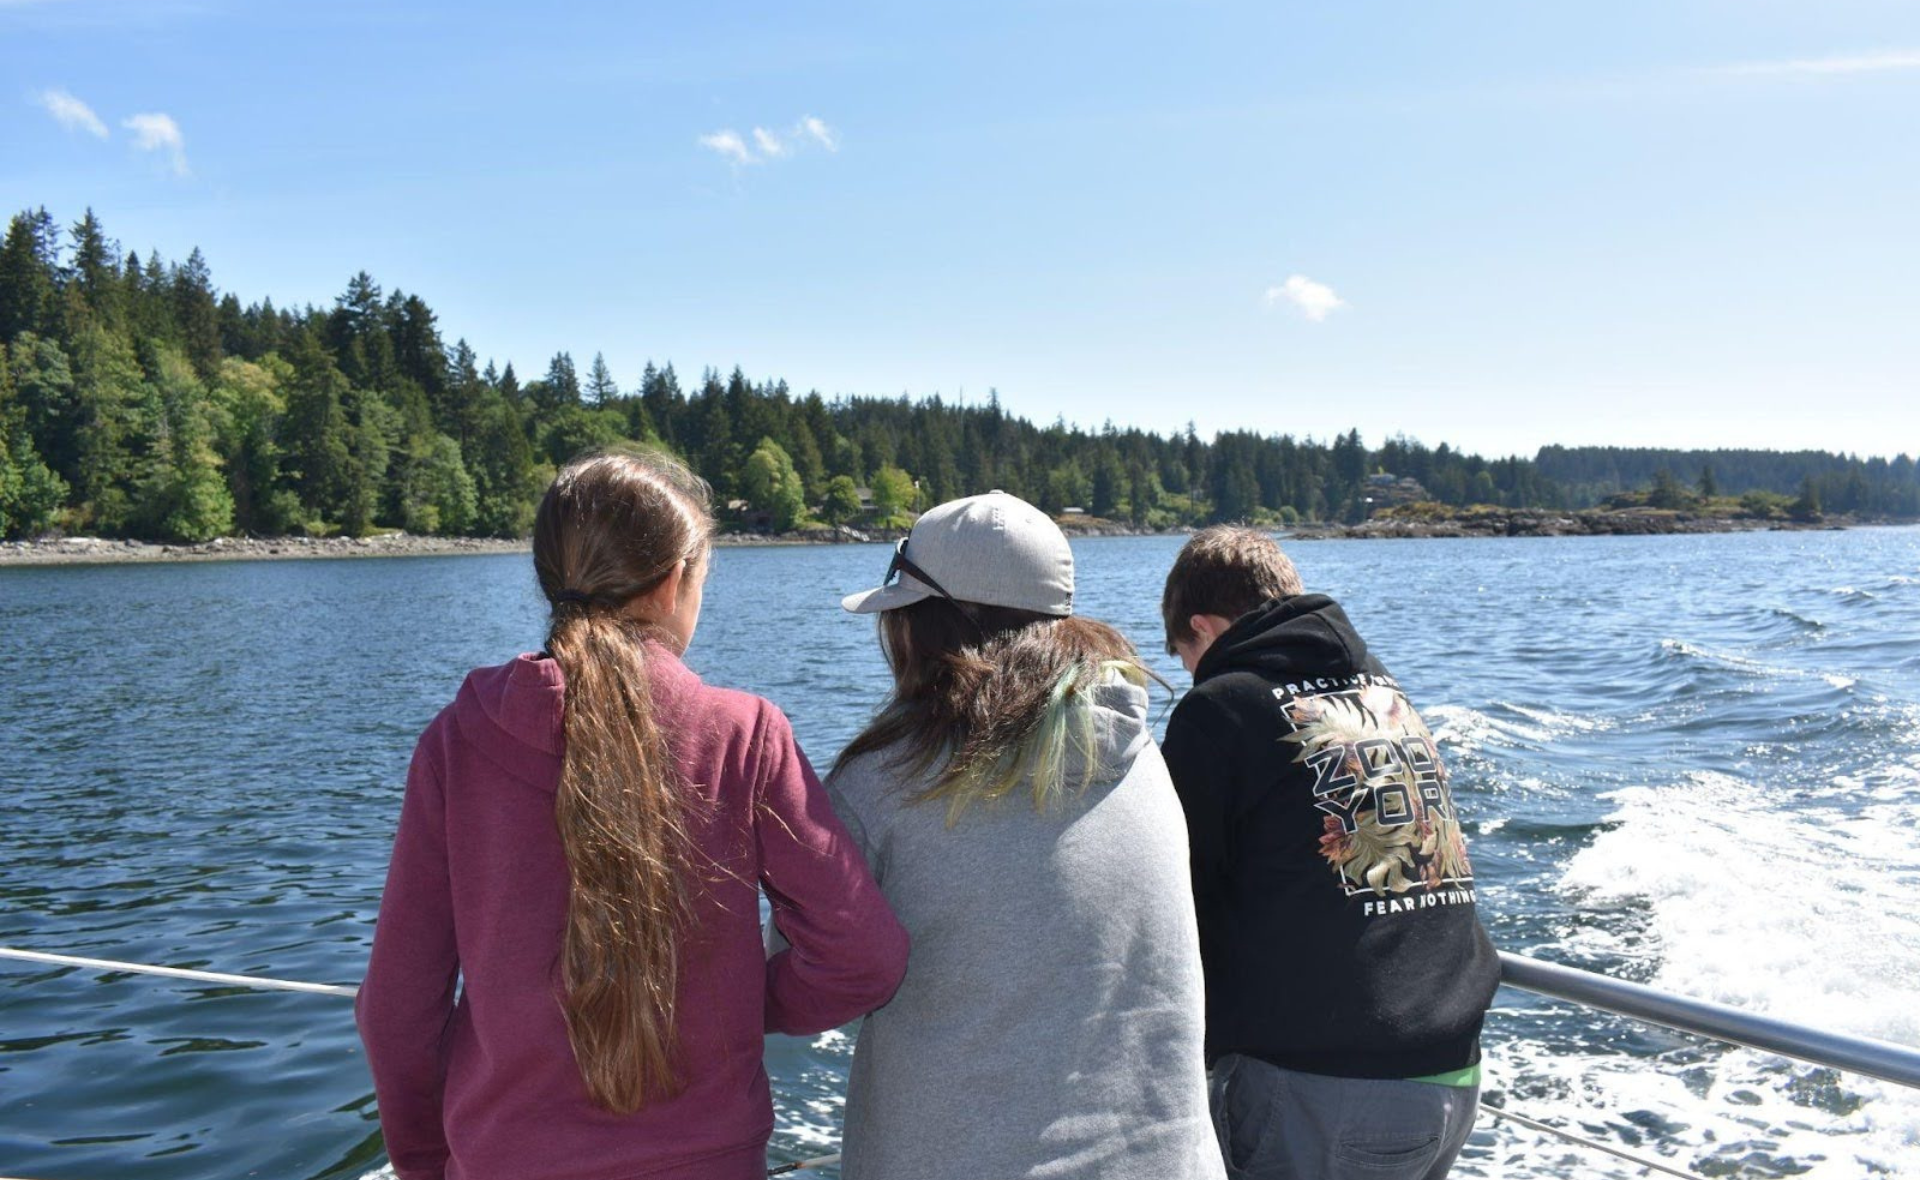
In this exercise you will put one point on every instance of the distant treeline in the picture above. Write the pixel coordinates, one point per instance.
(1842, 483)
(137, 400)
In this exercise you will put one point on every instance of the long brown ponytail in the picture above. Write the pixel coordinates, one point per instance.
(612, 527)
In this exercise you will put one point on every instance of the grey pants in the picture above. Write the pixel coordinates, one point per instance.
(1280, 1124)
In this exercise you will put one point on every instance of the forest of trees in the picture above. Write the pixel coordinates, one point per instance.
(137, 400)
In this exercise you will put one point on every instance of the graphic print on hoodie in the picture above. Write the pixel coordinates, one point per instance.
(1390, 826)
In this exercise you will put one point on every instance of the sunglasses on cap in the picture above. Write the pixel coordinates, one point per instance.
(902, 565)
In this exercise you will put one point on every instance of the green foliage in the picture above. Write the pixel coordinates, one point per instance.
(246, 409)
(318, 460)
(119, 436)
(1667, 492)
(771, 485)
(184, 496)
(441, 496)
(1067, 487)
(841, 502)
(1807, 507)
(30, 493)
(894, 498)
(505, 478)
(42, 381)
(575, 430)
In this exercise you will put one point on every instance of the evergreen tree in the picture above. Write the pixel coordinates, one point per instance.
(30, 493)
(28, 275)
(356, 315)
(119, 433)
(1807, 507)
(318, 461)
(95, 269)
(419, 355)
(152, 303)
(464, 387)
(197, 314)
(41, 378)
(660, 396)
(601, 387)
(506, 480)
(560, 387)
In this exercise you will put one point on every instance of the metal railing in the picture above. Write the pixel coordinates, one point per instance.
(1878, 1059)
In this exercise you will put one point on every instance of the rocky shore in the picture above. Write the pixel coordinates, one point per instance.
(99, 551)
(1482, 522)
(1536, 522)
(96, 551)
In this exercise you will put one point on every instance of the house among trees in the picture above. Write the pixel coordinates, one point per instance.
(1385, 490)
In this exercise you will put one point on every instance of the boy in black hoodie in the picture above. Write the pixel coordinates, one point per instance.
(1346, 973)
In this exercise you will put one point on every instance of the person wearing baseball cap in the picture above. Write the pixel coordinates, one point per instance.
(1016, 812)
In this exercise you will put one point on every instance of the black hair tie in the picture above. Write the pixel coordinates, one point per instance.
(578, 598)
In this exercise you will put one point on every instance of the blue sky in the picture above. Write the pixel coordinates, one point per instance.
(1677, 223)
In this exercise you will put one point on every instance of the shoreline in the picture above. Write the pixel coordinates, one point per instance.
(79, 551)
(73, 551)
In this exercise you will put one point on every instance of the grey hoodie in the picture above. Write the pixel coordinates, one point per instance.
(1050, 1022)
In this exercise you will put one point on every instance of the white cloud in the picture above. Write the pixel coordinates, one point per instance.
(1314, 300)
(769, 143)
(71, 113)
(728, 145)
(819, 132)
(733, 147)
(159, 133)
(1860, 63)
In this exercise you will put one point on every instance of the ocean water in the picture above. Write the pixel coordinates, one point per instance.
(1693, 761)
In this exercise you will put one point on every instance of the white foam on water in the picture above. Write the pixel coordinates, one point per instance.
(1554, 722)
(1468, 730)
(1806, 915)
(1457, 726)
(1852, 594)
(1736, 663)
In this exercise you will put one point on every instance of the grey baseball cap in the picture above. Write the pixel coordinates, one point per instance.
(995, 549)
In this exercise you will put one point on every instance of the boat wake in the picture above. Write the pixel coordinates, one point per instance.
(1813, 903)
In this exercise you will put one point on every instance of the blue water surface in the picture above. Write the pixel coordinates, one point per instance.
(201, 765)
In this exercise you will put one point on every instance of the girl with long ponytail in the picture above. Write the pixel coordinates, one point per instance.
(567, 978)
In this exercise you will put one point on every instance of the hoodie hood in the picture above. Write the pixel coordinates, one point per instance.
(1120, 732)
(515, 714)
(1306, 635)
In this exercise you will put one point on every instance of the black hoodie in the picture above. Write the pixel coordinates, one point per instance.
(1335, 899)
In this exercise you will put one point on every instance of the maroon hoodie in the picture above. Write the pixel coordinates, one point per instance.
(481, 1083)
